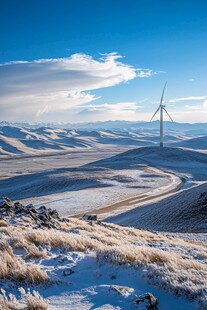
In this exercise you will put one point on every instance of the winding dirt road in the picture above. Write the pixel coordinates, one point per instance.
(130, 203)
(16, 166)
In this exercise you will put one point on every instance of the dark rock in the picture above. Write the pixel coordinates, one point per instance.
(33, 210)
(147, 299)
(89, 217)
(65, 220)
(30, 205)
(41, 209)
(68, 272)
(7, 200)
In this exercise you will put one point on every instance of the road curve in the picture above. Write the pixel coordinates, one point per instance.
(132, 202)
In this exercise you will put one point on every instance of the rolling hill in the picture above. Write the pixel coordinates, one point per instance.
(18, 140)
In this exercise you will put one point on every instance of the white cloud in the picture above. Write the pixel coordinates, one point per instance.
(192, 98)
(189, 116)
(44, 110)
(63, 101)
(193, 107)
(112, 111)
(191, 112)
(112, 107)
(142, 73)
(41, 86)
(205, 104)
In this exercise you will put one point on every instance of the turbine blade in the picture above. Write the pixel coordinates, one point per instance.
(155, 113)
(168, 114)
(163, 93)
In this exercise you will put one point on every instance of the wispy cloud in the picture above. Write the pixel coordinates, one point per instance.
(192, 98)
(63, 101)
(194, 111)
(113, 111)
(193, 107)
(37, 87)
(116, 107)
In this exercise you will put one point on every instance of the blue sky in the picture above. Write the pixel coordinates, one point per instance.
(60, 59)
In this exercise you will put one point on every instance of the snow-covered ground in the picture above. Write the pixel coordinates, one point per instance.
(92, 286)
(177, 212)
(94, 265)
(185, 211)
(75, 190)
(100, 265)
(84, 181)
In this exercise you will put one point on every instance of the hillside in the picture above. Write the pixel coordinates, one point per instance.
(197, 143)
(20, 140)
(83, 264)
(185, 211)
(55, 263)
(187, 163)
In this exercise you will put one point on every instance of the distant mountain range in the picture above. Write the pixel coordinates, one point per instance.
(23, 140)
(195, 128)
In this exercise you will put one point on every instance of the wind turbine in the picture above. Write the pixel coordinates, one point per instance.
(161, 108)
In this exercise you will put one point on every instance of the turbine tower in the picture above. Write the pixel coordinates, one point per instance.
(161, 108)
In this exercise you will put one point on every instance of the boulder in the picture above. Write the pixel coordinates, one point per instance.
(122, 290)
(68, 272)
(89, 217)
(147, 301)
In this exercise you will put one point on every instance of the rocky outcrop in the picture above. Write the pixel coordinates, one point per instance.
(15, 212)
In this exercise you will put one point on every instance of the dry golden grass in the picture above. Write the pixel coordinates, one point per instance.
(31, 250)
(15, 268)
(170, 262)
(144, 256)
(9, 303)
(33, 300)
(3, 223)
(29, 301)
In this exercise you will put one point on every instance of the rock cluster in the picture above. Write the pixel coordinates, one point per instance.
(14, 212)
(146, 301)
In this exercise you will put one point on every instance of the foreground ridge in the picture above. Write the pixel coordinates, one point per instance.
(105, 255)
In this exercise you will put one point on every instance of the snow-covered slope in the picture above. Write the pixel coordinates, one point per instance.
(18, 140)
(81, 264)
(186, 163)
(185, 211)
(181, 212)
(199, 143)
